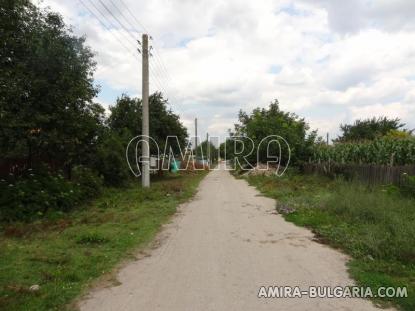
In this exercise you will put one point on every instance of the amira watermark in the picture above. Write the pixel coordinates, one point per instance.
(238, 152)
(331, 292)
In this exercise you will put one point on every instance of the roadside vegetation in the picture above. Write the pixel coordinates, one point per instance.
(69, 207)
(373, 224)
(257, 130)
(387, 150)
(58, 147)
(64, 254)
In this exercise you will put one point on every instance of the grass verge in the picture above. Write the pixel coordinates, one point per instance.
(63, 256)
(376, 226)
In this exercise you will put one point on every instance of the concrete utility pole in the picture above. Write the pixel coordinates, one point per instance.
(145, 150)
(195, 134)
(327, 138)
(207, 148)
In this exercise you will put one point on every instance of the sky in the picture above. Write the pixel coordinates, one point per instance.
(329, 61)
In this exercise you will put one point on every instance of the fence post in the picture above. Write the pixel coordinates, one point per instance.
(392, 159)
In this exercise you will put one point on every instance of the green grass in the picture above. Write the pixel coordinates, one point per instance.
(376, 226)
(65, 255)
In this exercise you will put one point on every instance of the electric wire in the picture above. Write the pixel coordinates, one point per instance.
(160, 72)
(106, 27)
(111, 25)
(116, 18)
(158, 56)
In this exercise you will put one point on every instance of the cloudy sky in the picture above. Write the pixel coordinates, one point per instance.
(330, 61)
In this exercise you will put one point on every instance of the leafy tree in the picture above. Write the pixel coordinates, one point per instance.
(262, 123)
(368, 129)
(110, 159)
(126, 116)
(46, 87)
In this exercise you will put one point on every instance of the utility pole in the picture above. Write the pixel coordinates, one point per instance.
(207, 148)
(327, 138)
(195, 135)
(145, 149)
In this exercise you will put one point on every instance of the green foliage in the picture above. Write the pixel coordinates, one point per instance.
(33, 195)
(91, 238)
(67, 255)
(45, 99)
(384, 151)
(383, 224)
(204, 148)
(373, 225)
(37, 193)
(368, 129)
(47, 115)
(399, 134)
(126, 116)
(408, 185)
(272, 121)
(110, 160)
(89, 182)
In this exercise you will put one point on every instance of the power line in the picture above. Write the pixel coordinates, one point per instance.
(157, 75)
(160, 69)
(133, 16)
(145, 29)
(126, 38)
(122, 14)
(104, 25)
(116, 18)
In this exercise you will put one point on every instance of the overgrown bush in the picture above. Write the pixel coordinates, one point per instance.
(89, 182)
(34, 194)
(110, 160)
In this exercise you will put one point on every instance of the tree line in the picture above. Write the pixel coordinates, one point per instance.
(55, 140)
(372, 140)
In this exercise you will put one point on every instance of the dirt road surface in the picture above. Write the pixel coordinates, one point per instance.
(219, 250)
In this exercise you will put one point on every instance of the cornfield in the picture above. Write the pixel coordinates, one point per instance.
(382, 151)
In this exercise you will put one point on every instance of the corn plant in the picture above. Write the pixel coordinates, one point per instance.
(382, 151)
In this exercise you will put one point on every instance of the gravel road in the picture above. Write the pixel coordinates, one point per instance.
(218, 251)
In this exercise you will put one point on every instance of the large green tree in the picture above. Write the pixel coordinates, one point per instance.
(262, 123)
(126, 116)
(368, 129)
(46, 87)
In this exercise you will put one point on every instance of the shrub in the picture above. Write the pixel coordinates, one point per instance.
(110, 160)
(89, 182)
(33, 194)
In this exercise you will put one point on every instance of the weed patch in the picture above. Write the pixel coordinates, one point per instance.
(373, 225)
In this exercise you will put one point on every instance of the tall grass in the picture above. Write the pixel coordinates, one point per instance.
(64, 255)
(382, 225)
(376, 226)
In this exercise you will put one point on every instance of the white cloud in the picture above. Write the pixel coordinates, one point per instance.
(393, 110)
(354, 15)
(222, 56)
